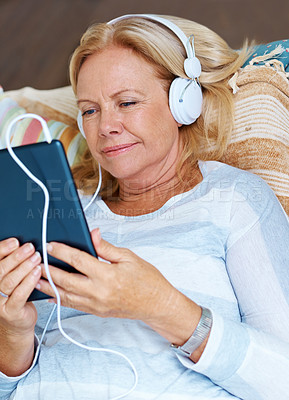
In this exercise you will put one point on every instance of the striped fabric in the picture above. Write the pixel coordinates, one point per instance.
(260, 140)
(30, 131)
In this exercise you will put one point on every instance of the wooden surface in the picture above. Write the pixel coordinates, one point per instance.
(37, 37)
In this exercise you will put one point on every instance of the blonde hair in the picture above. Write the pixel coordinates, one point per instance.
(208, 137)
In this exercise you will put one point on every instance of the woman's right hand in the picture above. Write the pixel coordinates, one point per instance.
(19, 274)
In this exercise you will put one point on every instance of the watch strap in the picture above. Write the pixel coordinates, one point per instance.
(198, 336)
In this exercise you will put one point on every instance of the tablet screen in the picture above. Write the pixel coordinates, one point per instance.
(22, 201)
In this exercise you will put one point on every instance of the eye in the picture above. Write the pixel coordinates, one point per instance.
(88, 112)
(127, 103)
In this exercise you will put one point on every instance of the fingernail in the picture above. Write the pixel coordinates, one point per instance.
(28, 247)
(49, 247)
(35, 257)
(97, 230)
(37, 270)
(12, 243)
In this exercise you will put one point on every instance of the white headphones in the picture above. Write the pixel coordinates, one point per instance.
(185, 95)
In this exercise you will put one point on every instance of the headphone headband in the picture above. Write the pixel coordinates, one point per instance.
(185, 95)
(173, 27)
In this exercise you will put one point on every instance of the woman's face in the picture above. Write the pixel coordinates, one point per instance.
(126, 118)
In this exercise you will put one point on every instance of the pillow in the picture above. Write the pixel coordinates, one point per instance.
(272, 53)
(260, 139)
(61, 124)
(58, 104)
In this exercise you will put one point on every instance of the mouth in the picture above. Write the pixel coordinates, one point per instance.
(113, 151)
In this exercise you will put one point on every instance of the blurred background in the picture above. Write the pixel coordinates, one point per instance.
(37, 37)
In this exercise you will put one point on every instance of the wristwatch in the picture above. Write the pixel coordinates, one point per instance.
(198, 336)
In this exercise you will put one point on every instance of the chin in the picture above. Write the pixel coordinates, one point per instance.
(123, 171)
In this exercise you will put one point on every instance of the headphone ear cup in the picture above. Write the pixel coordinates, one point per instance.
(79, 123)
(185, 100)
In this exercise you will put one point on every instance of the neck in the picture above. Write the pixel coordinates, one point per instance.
(135, 198)
(134, 190)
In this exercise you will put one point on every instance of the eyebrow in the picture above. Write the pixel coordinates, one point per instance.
(113, 95)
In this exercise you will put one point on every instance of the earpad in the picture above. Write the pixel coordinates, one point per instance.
(185, 100)
(79, 122)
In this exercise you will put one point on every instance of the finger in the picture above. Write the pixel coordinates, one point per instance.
(7, 246)
(105, 249)
(15, 258)
(96, 237)
(16, 276)
(69, 281)
(18, 298)
(68, 298)
(78, 259)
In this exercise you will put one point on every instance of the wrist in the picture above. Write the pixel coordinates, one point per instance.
(14, 338)
(176, 320)
(16, 353)
(197, 341)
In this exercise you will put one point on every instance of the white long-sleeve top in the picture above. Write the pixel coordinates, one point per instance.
(224, 244)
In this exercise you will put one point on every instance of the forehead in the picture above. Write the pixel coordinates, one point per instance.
(115, 66)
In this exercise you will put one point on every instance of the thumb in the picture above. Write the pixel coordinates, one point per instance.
(104, 249)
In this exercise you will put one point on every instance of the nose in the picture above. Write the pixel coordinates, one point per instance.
(109, 123)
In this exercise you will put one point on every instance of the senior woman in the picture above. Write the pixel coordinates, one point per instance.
(192, 278)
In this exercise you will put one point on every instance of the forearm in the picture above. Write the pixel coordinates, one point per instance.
(176, 319)
(16, 363)
(175, 316)
(16, 353)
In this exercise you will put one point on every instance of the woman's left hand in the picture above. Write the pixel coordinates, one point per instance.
(124, 287)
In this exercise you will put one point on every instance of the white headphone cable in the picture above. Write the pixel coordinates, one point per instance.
(44, 246)
(97, 189)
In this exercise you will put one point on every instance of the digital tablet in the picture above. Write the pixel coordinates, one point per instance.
(22, 201)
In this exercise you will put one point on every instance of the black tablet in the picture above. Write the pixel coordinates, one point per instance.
(22, 201)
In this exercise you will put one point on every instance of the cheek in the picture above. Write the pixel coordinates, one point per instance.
(166, 129)
(92, 143)
(160, 114)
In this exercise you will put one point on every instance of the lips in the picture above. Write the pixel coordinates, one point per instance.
(118, 149)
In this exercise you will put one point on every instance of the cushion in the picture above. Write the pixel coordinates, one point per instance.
(260, 139)
(271, 53)
(60, 120)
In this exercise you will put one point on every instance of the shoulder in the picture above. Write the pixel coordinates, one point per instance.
(224, 176)
(245, 202)
(221, 171)
(242, 188)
